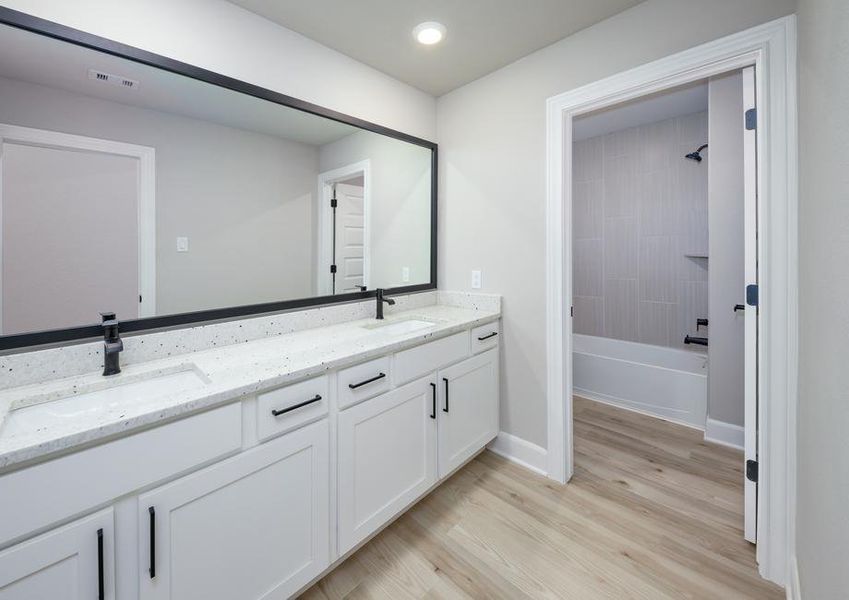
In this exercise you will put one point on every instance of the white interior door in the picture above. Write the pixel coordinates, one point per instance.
(350, 238)
(751, 308)
(70, 224)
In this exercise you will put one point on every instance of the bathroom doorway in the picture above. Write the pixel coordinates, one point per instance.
(344, 245)
(659, 233)
(768, 49)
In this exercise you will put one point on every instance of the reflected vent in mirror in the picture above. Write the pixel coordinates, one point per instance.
(116, 80)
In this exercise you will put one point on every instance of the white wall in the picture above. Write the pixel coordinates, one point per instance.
(492, 169)
(244, 200)
(639, 221)
(727, 274)
(399, 219)
(222, 37)
(823, 443)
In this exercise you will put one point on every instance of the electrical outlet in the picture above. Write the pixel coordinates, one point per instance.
(182, 244)
(405, 274)
(476, 279)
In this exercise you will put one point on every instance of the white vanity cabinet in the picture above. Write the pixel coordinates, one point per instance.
(387, 458)
(72, 562)
(468, 409)
(255, 526)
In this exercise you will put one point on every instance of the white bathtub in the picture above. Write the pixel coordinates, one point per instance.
(664, 382)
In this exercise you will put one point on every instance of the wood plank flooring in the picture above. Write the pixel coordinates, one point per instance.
(652, 512)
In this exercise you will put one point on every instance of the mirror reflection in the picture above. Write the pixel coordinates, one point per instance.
(131, 189)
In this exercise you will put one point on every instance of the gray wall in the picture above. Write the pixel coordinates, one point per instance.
(639, 209)
(492, 169)
(823, 420)
(727, 250)
(400, 203)
(244, 200)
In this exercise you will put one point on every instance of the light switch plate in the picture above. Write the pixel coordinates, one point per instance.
(476, 279)
(405, 274)
(182, 244)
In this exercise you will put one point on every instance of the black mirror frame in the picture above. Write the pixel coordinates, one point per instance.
(40, 26)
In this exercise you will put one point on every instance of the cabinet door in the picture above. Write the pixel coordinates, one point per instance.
(387, 458)
(468, 409)
(253, 526)
(74, 562)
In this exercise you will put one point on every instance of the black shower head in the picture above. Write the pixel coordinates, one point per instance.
(697, 156)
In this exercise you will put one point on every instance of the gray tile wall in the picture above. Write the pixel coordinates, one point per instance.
(639, 209)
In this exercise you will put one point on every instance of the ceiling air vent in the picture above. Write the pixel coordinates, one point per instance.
(116, 80)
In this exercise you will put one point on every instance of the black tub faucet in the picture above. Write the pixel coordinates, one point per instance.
(380, 300)
(112, 344)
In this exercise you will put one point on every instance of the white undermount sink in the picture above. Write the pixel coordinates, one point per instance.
(400, 327)
(98, 397)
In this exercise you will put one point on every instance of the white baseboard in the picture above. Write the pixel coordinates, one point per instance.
(634, 407)
(521, 452)
(725, 434)
(794, 588)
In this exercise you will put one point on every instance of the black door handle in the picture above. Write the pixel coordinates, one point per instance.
(354, 386)
(283, 411)
(152, 566)
(445, 379)
(433, 405)
(486, 337)
(101, 588)
(739, 307)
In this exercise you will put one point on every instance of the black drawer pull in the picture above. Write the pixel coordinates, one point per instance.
(354, 386)
(445, 379)
(489, 335)
(283, 411)
(152, 567)
(101, 591)
(433, 406)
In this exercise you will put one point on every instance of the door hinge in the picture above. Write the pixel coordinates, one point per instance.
(752, 294)
(332, 268)
(333, 203)
(140, 298)
(752, 118)
(571, 311)
(752, 470)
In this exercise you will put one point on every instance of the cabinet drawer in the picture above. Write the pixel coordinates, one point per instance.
(287, 408)
(485, 337)
(421, 360)
(363, 381)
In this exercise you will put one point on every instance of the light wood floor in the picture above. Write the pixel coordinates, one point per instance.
(652, 512)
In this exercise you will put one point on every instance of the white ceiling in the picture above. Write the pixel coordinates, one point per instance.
(681, 101)
(483, 35)
(41, 60)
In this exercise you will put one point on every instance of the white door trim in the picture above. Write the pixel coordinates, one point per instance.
(146, 194)
(771, 47)
(323, 258)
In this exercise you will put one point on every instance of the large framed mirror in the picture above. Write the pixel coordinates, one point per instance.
(170, 195)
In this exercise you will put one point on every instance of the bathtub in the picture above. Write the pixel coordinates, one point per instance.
(664, 382)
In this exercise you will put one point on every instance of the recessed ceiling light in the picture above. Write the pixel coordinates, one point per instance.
(429, 33)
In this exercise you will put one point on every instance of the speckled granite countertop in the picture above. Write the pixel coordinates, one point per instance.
(232, 371)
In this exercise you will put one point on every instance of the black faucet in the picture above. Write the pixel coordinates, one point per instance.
(112, 344)
(380, 300)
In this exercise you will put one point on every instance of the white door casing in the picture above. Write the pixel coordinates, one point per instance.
(325, 233)
(146, 156)
(771, 48)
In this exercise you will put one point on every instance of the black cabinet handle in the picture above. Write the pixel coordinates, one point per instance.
(433, 405)
(445, 379)
(152, 568)
(101, 588)
(283, 411)
(354, 386)
(489, 335)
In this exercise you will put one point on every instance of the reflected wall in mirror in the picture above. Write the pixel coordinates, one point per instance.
(128, 188)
